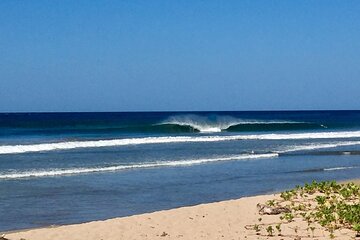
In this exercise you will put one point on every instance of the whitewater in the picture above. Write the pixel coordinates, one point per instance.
(223, 123)
(189, 162)
(177, 163)
(67, 145)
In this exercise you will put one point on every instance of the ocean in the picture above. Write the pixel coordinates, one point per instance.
(63, 168)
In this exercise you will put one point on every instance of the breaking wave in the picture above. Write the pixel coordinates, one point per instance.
(196, 123)
(186, 123)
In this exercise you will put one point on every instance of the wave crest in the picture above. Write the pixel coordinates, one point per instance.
(226, 123)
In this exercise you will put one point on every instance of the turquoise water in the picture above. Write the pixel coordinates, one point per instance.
(61, 168)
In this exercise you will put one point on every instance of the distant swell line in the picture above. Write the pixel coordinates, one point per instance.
(41, 147)
(75, 171)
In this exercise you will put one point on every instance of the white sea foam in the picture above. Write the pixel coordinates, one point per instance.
(339, 168)
(41, 147)
(316, 146)
(310, 135)
(74, 171)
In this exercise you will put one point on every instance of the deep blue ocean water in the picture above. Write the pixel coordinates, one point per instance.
(62, 168)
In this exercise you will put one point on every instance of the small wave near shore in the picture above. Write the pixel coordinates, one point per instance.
(187, 162)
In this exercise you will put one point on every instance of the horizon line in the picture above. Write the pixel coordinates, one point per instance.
(182, 111)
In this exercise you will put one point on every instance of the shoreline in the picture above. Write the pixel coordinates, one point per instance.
(147, 225)
(227, 219)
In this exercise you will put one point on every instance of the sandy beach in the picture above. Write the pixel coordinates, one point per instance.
(233, 219)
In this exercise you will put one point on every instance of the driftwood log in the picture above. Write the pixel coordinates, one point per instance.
(2, 237)
(271, 210)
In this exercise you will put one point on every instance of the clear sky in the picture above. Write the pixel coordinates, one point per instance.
(179, 55)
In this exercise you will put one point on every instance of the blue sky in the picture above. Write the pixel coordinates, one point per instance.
(179, 55)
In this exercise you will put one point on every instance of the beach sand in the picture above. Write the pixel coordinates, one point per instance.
(356, 181)
(232, 219)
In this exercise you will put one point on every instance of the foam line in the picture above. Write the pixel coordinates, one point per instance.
(313, 170)
(41, 147)
(338, 168)
(74, 171)
(319, 146)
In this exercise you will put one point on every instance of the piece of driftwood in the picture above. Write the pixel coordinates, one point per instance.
(271, 210)
(2, 237)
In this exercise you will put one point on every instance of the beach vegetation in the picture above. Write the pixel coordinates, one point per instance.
(288, 217)
(278, 228)
(312, 228)
(332, 205)
(270, 230)
(329, 204)
(257, 228)
(271, 203)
